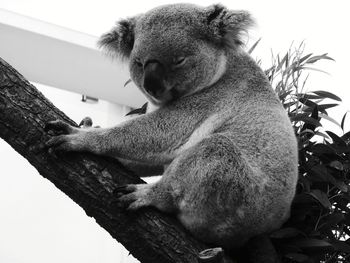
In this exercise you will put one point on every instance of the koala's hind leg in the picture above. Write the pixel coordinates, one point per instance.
(212, 184)
(202, 185)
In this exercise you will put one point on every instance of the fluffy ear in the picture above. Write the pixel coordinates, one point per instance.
(226, 26)
(119, 41)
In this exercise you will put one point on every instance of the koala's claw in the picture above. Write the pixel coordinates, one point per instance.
(64, 137)
(58, 126)
(132, 196)
(60, 144)
(212, 255)
(55, 141)
(124, 189)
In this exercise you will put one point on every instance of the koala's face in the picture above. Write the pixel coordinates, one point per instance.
(176, 50)
(168, 63)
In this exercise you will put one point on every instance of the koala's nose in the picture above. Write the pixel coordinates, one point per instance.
(153, 77)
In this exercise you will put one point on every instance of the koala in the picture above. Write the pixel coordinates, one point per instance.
(219, 129)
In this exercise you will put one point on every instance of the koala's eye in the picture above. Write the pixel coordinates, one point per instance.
(139, 63)
(179, 61)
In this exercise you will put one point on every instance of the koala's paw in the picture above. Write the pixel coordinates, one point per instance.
(59, 127)
(133, 196)
(64, 137)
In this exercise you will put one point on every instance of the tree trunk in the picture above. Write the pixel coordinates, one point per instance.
(87, 179)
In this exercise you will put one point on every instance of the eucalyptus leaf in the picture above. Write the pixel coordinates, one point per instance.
(306, 119)
(317, 58)
(285, 233)
(343, 121)
(341, 246)
(336, 139)
(298, 257)
(326, 94)
(250, 51)
(127, 82)
(312, 243)
(322, 107)
(321, 197)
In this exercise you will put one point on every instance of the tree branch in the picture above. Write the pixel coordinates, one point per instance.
(87, 179)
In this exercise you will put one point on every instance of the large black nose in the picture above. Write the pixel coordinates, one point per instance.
(153, 77)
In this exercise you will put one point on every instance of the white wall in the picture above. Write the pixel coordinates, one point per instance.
(38, 222)
(322, 24)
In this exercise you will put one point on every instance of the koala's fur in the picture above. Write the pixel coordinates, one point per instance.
(228, 143)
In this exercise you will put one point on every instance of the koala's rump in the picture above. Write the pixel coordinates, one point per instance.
(221, 198)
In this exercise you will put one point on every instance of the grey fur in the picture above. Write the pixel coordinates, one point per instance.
(228, 143)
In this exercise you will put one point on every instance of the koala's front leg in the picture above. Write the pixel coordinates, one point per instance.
(155, 138)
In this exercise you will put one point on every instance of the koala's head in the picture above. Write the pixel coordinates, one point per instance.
(176, 50)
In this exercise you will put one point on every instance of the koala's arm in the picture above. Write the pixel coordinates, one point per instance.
(153, 138)
(142, 169)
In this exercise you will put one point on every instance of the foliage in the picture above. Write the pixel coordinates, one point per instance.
(319, 227)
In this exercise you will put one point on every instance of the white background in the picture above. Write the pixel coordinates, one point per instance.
(40, 224)
(322, 24)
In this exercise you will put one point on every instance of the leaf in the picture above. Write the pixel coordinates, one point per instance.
(250, 51)
(297, 257)
(284, 95)
(337, 165)
(319, 173)
(346, 137)
(127, 82)
(316, 58)
(304, 58)
(326, 94)
(311, 243)
(303, 198)
(139, 111)
(337, 183)
(342, 121)
(307, 102)
(307, 131)
(321, 197)
(341, 246)
(308, 96)
(332, 220)
(305, 183)
(280, 63)
(285, 233)
(323, 107)
(288, 105)
(306, 119)
(336, 139)
(322, 149)
(314, 69)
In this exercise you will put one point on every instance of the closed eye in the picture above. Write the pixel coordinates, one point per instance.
(139, 63)
(179, 61)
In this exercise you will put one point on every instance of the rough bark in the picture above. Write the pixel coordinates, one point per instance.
(87, 179)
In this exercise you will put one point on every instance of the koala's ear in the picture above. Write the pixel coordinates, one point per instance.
(119, 41)
(226, 26)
